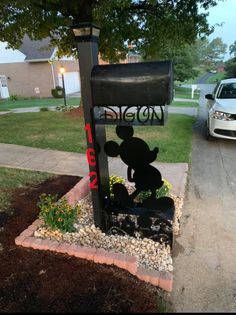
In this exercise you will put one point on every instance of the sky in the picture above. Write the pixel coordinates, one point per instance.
(224, 12)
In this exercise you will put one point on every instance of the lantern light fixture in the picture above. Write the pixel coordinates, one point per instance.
(86, 32)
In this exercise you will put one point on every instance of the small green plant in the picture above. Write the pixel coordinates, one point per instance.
(13, 97)
(57, 214)
(44, 109)
(64, 108)
(58, 92)
(163, 191)
(163, 306)
(113, 179)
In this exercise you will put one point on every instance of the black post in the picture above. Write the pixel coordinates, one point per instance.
(63, 86)
(87, 46)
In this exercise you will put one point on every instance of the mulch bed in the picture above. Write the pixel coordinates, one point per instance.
(75, 113)
(44, 281)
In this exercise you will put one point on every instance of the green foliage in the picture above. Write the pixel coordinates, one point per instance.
(13, 97)
(150, 25)
(55, 131)
(58, 92)
(58, 215)
(212, 52)
(230, 68)
(232, 49)
(15, 178)
(162, 192)
(113, 179)
(39, 102)
(188, 57)
(215, 78)
(44, 109)
(163, 305)
(184, 104)
(185, 92)
(64, 108)
(185, 59)
(48, 130)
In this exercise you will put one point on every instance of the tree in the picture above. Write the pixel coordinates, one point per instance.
(230, 68)
(146, 23)
(185, 58)
(212, 52)
(232, 49)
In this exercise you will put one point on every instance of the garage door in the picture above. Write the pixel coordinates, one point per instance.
(72, 82)
(3, 87)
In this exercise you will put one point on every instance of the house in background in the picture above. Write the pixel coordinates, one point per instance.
(220, 67)
(32, 70)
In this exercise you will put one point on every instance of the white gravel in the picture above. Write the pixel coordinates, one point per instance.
(149, 253)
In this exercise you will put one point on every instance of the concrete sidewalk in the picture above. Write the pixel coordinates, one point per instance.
(69, 163)
(190, 111)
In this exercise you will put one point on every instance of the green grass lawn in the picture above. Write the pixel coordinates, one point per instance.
(200, 71)
(53, 130)
(184, 92)
(14, 178)
(47, 130)
(174, 140)
(184, 104)
(6, 105)
(215, 78)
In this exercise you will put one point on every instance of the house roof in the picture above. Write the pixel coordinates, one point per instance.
(36, 50)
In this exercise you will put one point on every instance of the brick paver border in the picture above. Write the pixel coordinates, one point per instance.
(163, 280)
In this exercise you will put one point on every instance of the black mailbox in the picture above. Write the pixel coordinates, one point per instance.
(133, 84)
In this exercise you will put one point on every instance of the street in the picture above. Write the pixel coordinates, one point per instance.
(204, 77)
(204, 253)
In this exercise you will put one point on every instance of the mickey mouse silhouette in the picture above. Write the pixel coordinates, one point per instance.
(135, 153)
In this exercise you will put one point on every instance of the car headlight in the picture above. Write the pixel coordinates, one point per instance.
(222, 116)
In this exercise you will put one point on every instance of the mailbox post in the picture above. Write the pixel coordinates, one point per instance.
(87, 35)
(124, 95)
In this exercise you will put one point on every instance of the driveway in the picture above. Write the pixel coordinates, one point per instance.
(204, 77)
(204, 253)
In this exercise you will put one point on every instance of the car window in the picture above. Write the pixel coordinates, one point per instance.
(215, 89)
(227, 90)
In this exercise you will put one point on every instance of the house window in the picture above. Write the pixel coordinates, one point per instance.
(3, 80)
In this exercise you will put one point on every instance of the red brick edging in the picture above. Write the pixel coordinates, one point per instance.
(26, 239)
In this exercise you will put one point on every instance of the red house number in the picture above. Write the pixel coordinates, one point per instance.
(90, 153)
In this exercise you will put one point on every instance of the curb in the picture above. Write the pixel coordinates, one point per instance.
(163, 280)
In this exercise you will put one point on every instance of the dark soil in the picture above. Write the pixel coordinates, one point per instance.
(75, 113)
(44, 281)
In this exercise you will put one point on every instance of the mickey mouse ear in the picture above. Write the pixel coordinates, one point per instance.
(124, 132)
(111, 148)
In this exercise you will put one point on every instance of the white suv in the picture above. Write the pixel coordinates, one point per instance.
(221, 120)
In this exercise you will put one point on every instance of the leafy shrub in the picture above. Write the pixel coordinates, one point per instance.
(162, 192)
(57, 214)
(113, 179)
(64, 108)
(16, 97)
(13, 97)
(58, 92)
(44, 109)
